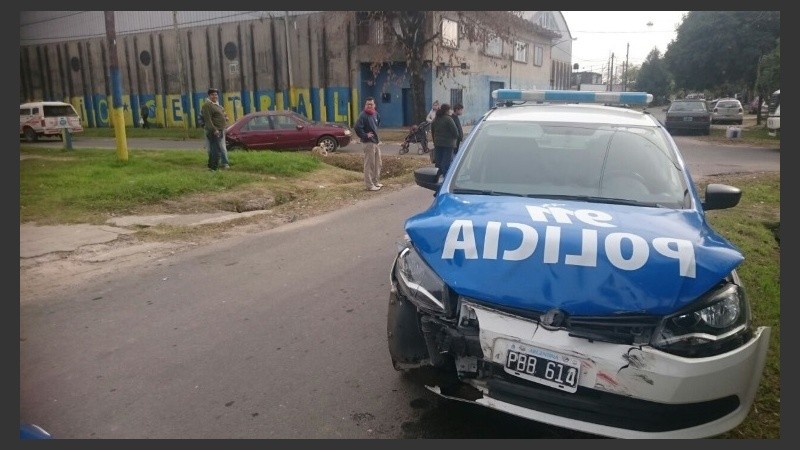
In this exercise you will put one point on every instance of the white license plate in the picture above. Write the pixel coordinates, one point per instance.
(687, 119)
(543, 366)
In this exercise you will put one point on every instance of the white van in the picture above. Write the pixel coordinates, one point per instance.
(38, 119)
(774, 117)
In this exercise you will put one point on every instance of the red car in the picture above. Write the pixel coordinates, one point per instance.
(282, 130)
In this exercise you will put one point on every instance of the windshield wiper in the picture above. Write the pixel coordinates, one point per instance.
(594, 199)
(485, 192)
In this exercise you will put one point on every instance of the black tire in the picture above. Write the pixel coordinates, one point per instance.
(30, 135)
(328, 143)
(403, 148)
(707, 131)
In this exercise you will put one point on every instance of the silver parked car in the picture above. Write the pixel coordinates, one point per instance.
(727, 110)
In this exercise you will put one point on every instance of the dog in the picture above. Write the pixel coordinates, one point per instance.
(319, 151)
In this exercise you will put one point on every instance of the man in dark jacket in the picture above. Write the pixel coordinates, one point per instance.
(458, 109)
(445, 136)
(367, 129)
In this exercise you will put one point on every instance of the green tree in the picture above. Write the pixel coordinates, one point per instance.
(769, 76)
(712, 48)
(654, 77)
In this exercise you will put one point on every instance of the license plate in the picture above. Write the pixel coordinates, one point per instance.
(687, 119)
(543, 366)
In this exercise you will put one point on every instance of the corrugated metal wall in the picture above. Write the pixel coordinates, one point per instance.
(247, 60)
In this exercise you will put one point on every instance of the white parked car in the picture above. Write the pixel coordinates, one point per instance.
(47, 119)
(774, 122)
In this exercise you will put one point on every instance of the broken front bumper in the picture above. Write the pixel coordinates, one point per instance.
(623, 391)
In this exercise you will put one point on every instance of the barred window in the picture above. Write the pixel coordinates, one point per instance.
(456, 96)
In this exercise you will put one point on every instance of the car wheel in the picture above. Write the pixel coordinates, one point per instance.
(328, 143)
(707, 131)
(31, 135)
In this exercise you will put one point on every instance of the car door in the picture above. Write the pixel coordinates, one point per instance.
(257, 133)
(289, 132)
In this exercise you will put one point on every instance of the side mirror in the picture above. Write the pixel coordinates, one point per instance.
(428, 177)
(721, 196)
(300, 127)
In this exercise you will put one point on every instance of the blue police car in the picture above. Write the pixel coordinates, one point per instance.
(565, 272)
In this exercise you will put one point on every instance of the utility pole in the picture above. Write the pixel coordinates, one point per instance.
(627, 51)
(611, 73)
(288, 57)
(118, 114)
(182, 76)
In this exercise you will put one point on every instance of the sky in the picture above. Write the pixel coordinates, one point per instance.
(601, 33)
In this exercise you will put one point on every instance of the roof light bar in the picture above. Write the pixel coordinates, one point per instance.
(631, 98)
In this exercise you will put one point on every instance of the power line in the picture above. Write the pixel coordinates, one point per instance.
(52, 18)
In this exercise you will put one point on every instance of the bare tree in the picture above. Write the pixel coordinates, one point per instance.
(412, 33)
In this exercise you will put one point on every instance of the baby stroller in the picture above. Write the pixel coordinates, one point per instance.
(417, 134)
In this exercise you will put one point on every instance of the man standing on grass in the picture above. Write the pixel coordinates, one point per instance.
(214, 124)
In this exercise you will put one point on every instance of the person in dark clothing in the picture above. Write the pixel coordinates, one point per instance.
(445, 136)
(458, 109)
(145, 111)
(367, 129)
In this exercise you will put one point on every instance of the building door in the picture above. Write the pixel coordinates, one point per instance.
(494, 85)
(408, 108)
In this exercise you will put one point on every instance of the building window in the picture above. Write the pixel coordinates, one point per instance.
(538, 55)
(449, 33)
(494, 45)
(362, 27)
(520, 51)
(456, 97)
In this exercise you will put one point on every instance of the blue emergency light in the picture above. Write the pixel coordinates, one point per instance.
(631, 98)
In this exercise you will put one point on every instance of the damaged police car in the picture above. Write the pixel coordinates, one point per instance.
(565, 272)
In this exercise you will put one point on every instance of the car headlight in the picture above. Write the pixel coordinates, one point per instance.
(347, 132)
(717, 323)
(418, 282)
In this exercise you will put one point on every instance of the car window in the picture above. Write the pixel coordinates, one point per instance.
(728, 104)
(257, 123)
(24, 112)
(59, 110)
(535, 159)
(687, 106)
(280, 122)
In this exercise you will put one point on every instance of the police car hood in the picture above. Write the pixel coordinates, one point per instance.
(582, 258)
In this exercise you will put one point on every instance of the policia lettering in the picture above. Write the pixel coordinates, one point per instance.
(461, 236)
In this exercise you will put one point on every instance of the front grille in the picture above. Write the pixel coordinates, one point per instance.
(627, 329)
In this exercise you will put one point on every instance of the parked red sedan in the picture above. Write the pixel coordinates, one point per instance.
(282, 130)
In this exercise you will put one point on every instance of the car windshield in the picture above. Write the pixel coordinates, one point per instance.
(588, 162)
(687, 106)
(728, 104)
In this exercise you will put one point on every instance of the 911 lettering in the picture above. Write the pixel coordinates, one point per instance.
(461, 237)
